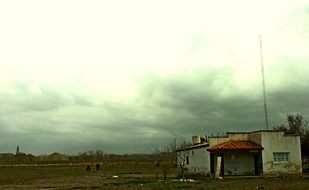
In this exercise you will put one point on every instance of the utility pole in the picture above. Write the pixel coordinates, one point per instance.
(263, 82)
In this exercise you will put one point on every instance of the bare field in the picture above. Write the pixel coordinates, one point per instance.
(137, 176)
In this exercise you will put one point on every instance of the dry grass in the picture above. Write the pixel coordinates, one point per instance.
(138, 176)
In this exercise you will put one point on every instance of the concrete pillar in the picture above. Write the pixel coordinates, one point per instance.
(218, 167)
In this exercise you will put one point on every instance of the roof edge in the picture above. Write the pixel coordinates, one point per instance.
(193, 147)
(263, 130)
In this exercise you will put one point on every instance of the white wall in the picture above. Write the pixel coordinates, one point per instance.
(199, 161)
(278, 142)
(234, 136)
(217, 140)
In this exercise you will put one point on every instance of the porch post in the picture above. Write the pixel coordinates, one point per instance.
(218, 167)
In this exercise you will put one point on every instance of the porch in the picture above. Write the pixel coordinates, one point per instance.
(235, 158)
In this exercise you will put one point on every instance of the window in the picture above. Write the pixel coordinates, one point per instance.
(281, 157)
(192, 152)
(187, 160)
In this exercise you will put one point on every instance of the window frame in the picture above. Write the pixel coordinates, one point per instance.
(281, 157)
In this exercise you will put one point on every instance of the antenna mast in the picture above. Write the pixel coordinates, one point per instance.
(263, 78)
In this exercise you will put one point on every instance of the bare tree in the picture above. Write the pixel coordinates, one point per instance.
(156, 153)
(171, 148)
(182, 155)
(297, 125)
(99, 155)
(171, 157)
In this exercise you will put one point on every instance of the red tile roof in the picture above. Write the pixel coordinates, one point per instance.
(233, 145)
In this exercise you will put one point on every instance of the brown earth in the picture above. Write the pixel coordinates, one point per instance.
(138, 176)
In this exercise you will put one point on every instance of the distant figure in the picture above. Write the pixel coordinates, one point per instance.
(98, 167)
(88, 169)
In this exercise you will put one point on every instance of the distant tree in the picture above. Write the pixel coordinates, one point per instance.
(169, 157)
(157, 159)
(171, 148)
(166, 168)
(17, 150)
(297, 125)
(182, 157)
(99, 155)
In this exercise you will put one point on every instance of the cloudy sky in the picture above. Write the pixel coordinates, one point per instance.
(127, 76)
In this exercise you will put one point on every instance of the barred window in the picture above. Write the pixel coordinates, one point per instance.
(281, 156)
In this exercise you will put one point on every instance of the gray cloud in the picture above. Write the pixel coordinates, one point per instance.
(67, 109)
(43, 119)
(204, 101)
(196, 103)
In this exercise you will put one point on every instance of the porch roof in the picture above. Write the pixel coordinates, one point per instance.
(236, 145)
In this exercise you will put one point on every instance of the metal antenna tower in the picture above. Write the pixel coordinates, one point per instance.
(263, 78)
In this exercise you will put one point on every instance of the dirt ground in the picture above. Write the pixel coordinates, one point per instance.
(131, 176)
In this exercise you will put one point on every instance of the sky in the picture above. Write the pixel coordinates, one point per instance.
(128, 76)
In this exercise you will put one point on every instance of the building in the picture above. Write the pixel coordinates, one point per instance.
(243, 153)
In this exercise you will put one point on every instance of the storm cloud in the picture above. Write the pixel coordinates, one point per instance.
(103, 84)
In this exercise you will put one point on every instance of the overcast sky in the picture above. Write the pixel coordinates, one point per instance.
(127, 76)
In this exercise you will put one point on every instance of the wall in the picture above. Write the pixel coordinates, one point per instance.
(255, 137)
(238, 136)
(275, 141)
(217, 140)
(199, 161)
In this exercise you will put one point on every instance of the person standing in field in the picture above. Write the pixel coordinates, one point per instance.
(98, 167)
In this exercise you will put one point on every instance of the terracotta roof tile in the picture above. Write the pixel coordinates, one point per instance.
(236, 145)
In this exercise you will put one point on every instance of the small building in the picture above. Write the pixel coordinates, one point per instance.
(264, 152)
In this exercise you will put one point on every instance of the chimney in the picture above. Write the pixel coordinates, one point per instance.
(196, 139)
